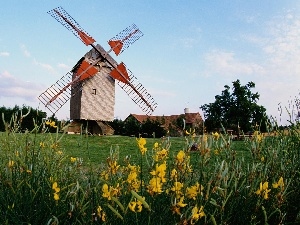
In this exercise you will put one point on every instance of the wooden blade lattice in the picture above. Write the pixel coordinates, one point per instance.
(54, 98)
(67, 21)
(136, 91)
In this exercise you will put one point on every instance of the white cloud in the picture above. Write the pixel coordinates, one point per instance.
(227, 63)
(63, 66)
(4, 53)
(44, 65)
(13, 87)
(25, 51)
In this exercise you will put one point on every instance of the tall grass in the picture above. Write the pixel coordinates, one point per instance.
(207, 181)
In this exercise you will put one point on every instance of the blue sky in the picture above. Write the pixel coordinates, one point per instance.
(189, 51)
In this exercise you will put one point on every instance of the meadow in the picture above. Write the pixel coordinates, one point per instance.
(56, 178)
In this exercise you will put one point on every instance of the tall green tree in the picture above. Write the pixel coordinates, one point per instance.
(236, 108)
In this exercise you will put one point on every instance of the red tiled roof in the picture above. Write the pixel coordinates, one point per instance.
(190, 118)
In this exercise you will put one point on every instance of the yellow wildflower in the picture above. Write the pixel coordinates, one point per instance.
(155, 145)
(262, 159)
(136, 205)
(106, 192)
(174, 174)
(160, 171)
(56, 196)
(180, 156)
(42, 144)
(73, 159)
(263, 190)
(11, 163)
(161, 155)
(280, 183)
(56, 191)
(176, 207)
(258, 136)
(111, 191)
(51, 123)
(131, 177)
(101, 213)
(141, 143)
(177, 188)
(113, 166)
(197, 213)
(155, 185)
(193, 191)
(216, 135)
(55, 187)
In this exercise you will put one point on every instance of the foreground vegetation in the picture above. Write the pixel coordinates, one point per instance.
(58, 179)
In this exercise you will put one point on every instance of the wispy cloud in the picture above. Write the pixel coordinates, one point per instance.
(227, 63)
(4, 53)
(25, 51)
(63, 66)
(44, 65)
(10, 86)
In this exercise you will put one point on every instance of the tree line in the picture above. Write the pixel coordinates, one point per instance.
(21, 118)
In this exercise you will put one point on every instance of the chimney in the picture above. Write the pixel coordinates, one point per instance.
(186, 110)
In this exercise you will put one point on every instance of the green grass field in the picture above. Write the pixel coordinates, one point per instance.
(96, 149)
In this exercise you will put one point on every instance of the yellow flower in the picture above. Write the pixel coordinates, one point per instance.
(258, 136)
(106, 192)
(55, 187)
(262, 159)
(131, 177)
(42, 144)
(57, 190)
(73, 159)
(113, 166)
(109, 192)
(263, 190)
(280, 183)
(174, 174)
(180, 156)
(160, 171)
(11, 163)
(177, 188)
(216, 135)
(155, 185)
(197, 213)
(161, 155)
(186, 132)
(193, 191)
(59, 152)
(176, 207)
(141, 143)
(99, 209)
(136, 205)
(56, 196)
(155, 145)
(51, 123)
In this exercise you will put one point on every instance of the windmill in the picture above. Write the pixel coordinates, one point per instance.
(90, 85)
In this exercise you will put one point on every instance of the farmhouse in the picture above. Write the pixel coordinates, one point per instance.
(173, 123)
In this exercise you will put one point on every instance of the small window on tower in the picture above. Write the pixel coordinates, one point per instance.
(94, 91)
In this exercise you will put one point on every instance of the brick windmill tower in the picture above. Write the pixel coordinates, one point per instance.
(90, 85)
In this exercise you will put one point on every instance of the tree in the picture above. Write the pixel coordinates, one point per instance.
(236, 110)
(118, 126)
(23, 117)
(152, 128)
